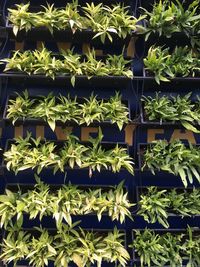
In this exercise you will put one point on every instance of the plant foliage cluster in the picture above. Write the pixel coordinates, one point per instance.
(30, 153)
(173, 108)
(65, 109)
(68, 245)
(68, 63)
(166, 65)
(161, 249)
(168, 17)
(175, 158)
(102, 20)
(156, 205)
(62, 203)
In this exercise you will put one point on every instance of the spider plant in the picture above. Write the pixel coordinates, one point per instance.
(91, 248)
(97, 158)
(52, 109)
(92, 110)
(174, 158)
(42, 249)
(66, 246)
(116, 203)
(114, 248)
(11, 205)
(20, 107)
(67, 201)
(61, 204)
(73, 153)
(116, 112)
(33, 153)
(48, 17)
(37, 202)
(102, 20)
(15, 246)
(44, 63)
(22, 18)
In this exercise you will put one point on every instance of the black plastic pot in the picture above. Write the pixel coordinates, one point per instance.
(84, 36)
(189, 81)
(81, 81)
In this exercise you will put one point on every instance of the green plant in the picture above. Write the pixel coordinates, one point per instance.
(52, 109)
(116, 112)
(177, 108)
(92, 110)
(156, 205)
(172, 245)
(191, 248)
(20, 107)
(71, 64)
(36, 154)
(148, 247)
(102, 20)
(15, 246)
(174, 158)
(164, 65)
(185, 203)
(160, 249)
(42, 249)
(64, 202)
(11, 205)
(153, 206)
(68, 245)
(169, 17)
(114, 250)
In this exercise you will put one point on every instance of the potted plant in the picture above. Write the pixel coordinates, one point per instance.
(69, 245)
(61, 110)
(172, 20)
(68, 64)
(165, 65)
(175, 158)
(158, 204)
(29, 153)
(84, 22)
(168, 110)
(61, 203)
